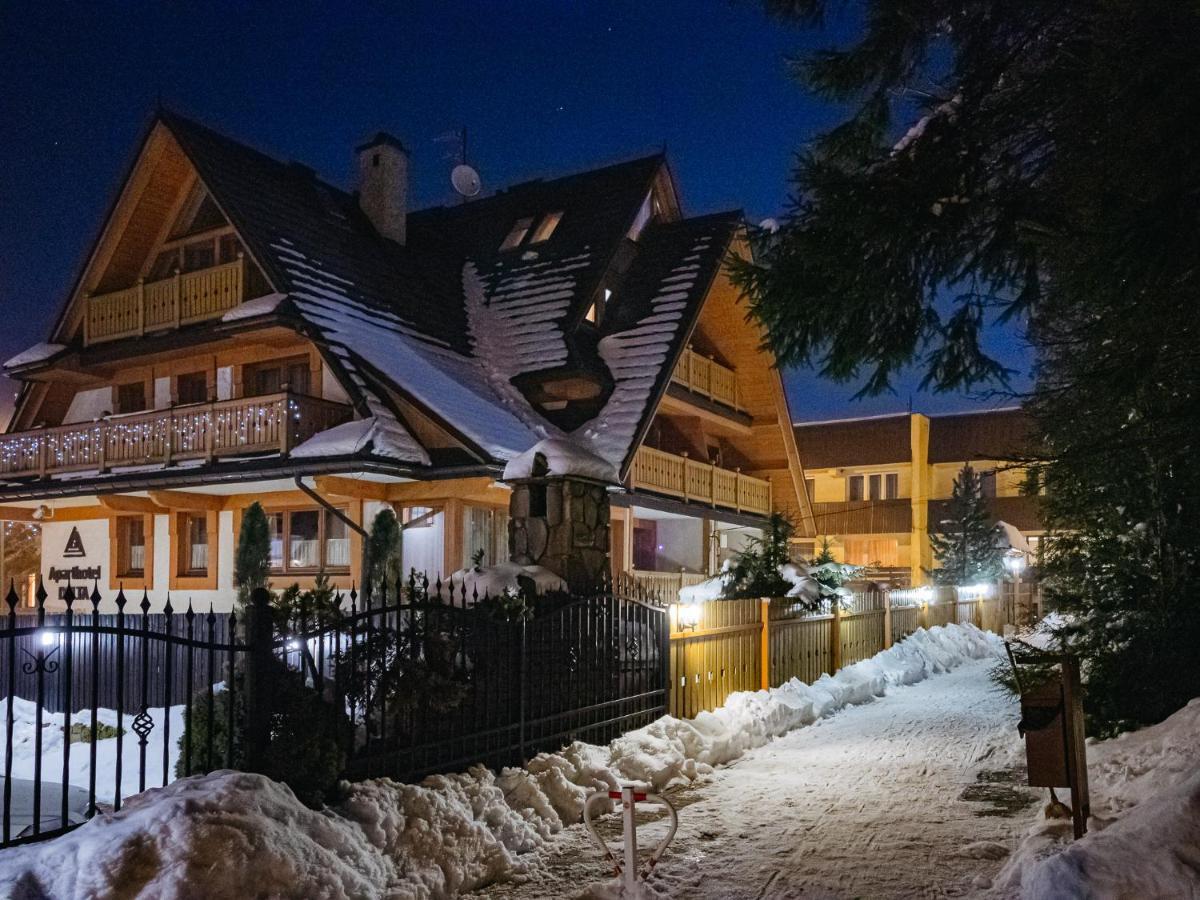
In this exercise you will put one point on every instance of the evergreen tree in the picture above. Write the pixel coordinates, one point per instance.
(756, 569)
(829, 574)
(384, 559)
(252, 562)
(966, 543)
(1049, 177)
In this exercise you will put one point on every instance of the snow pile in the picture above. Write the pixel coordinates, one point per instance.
(493, 581)
(371, 434)
(36, 353)
(243, 835)
(560, 456)
(803, 581)
(24, 746)
(260, 306)
(1145, 825)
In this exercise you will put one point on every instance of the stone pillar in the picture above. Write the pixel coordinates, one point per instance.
(561, 523)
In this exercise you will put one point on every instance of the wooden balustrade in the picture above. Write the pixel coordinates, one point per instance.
(667, 585)
(707, 377)
(182, 299)
(689, 479)
(271, 423)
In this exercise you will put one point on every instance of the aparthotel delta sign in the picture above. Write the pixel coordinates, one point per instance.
(74, 550)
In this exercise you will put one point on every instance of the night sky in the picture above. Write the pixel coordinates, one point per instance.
(544, 87)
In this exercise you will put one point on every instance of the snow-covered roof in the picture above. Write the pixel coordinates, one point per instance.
(37, 353)
(455, 327)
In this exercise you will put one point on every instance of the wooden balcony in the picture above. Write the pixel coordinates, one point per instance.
(182, 299)
(863, 517)
(701, 482)
(707, 377)
(272, 423)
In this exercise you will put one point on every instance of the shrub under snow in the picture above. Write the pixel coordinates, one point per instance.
(230, 834)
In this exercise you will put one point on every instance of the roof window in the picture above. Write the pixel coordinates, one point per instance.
(517, 235)
(546, 227)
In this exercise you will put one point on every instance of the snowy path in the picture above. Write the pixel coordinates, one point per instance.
(881, 800)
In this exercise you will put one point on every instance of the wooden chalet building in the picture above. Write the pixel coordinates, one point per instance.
(877, 484)
(243, 330)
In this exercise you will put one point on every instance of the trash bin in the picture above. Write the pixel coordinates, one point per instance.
(1042, 726)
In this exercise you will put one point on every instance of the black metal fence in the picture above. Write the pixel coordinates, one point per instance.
(429, 680)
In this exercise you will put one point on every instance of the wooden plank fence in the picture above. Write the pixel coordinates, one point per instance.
(751, 644)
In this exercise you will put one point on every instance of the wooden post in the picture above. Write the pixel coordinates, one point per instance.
(1077, 778)
(178, 293)
(887, 619)
(924, 613)
(979, 614)
(765, 655)
(141, 318)
(259, 661)
(835, 633)
(285, 425)
(87, 318)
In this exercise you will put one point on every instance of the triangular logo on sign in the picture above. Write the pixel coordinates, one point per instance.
(74, 545)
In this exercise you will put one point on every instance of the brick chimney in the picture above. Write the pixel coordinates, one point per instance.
(383, 185)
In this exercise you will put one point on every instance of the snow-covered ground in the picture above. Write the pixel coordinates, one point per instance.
(232, 834)
(906, 782)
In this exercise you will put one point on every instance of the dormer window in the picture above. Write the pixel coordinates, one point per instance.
(546, 227)
(517, 235)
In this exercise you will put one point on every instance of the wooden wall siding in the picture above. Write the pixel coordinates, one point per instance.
(720, 656)
(905, 620)
(861, 636)
(864, 517)
(799, 648)
(725, 652)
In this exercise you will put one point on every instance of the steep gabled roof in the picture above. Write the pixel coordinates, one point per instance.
(449, 321)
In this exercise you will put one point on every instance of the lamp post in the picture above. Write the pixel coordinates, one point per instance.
(1014, 564)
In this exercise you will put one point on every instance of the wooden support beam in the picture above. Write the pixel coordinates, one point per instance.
(481, 489)
(355, 488)
(16, 514)
(123, 503)
(188, 500)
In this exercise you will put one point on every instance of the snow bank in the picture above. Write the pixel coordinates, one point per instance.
(495, 580)
(1145, 825)
(243, 835)
(562, 456)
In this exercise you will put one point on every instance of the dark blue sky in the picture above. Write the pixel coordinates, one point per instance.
(544, 87)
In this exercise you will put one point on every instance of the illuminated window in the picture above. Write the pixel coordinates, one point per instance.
(592, 315)
(517, 235)
(546, 227)
(131, 547)
(193, 560)
(308, 540)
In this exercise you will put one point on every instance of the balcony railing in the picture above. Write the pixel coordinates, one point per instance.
(863, 516)
(271, 423)
(690, 480)
(182, 299)
(707, 377)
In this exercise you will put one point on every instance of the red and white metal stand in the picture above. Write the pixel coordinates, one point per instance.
(627, 868)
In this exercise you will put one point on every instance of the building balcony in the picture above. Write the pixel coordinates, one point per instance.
(273, 423)
(182, 299)
(707, 377)
(863, 517)
(692, 481)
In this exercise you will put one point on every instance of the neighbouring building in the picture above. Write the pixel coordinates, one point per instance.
(878, 483)
(243, 330)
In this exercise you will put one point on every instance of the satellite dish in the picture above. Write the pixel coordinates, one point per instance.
(769, 225)
(465, 180)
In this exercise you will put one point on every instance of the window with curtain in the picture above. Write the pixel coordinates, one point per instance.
(194, 558)
(477, 535)
(131, 546)
(307, 541)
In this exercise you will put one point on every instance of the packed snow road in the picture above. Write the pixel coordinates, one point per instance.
(916, 794)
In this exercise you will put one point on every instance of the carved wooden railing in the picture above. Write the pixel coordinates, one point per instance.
(182, 299)
(707, 377)
(271, 423)
(668, 584)
(691, 480)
